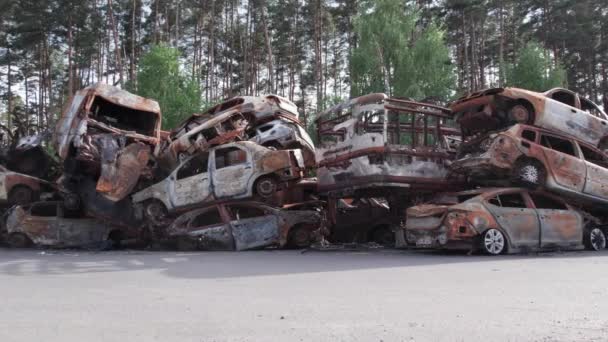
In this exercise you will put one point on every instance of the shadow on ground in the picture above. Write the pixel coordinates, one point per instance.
(211, 265)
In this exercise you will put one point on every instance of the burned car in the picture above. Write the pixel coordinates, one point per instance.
(540, 158)
(263, 108)
(361, 220)
(108, 134)
(232, 171)
(245, 225)
(17, 188)
(558, 110)
(498, 221)
(376, 141)
(198, 133)
(284, 134)
(50, 224)
(29, 157)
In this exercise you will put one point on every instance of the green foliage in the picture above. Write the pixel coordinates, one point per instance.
(160, 78)
(397, 56)
(533, 70)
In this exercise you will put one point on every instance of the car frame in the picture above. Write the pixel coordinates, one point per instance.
(36, 224)
(261, 172)
(17, 188)
(537, 157)
(558, 109)
(502, 220)
(245, 225)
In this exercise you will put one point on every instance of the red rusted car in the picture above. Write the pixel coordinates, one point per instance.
(559, 110)
(501, 220)
(540, 158)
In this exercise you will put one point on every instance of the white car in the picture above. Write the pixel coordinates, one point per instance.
(232, 171)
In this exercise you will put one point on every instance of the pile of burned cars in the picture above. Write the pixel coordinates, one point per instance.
(537, 165)
(217, 181)
(499, 170)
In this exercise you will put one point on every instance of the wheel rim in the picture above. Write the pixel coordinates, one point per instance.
(155, 211)
(520, 114)
(301, 238)
(266, 187)
(494, 241)
(530, 174)
(598, 239)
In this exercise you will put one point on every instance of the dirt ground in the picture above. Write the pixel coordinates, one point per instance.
(369, 295)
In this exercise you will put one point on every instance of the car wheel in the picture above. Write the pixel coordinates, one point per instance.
(21, 195)
(383, 236)
(529, 173)
(18, 240)
(595, 239)
(186, 243)
(266, 187)
(519, 113)
(300, 237)
(155, 211)
(494, 242)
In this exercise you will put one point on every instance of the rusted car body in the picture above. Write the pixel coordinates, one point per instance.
(558, 110)
(245, 225)
(263, 108)
(232, 171)
(49, 224)
(375, 141)
(198, 133)
(284, 134)
(109, 134)
(502, 220)
(362, 220)
(538, 157)
(29, 157)
(17, 188)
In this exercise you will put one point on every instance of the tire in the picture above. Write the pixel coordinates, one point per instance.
(520, 113)
(71, 201)
(595, 239)
(529, 173)
(266, 187)
(382, 235)
(493, 242)
(299, 237)
(21, 195)
(186, 243)
(18, 240)
(155, 211)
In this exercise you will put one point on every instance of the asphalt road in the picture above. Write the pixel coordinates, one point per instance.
(376, 295)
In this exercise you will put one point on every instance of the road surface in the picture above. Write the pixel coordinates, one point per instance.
(369, 295)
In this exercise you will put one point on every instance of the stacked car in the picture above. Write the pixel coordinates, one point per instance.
(124, 179)
(499, 170)
(545, 153)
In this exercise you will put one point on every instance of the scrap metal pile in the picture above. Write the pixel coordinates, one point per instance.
(500, 170)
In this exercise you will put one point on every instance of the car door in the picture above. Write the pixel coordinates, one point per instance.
(253, 226)
(233, 167)
(210, 228)
(596, 180)
(190, 181)
(559, 226)
(563, 163)
(41, 224)
(516, 217)
(560, 112)
(597, 125)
